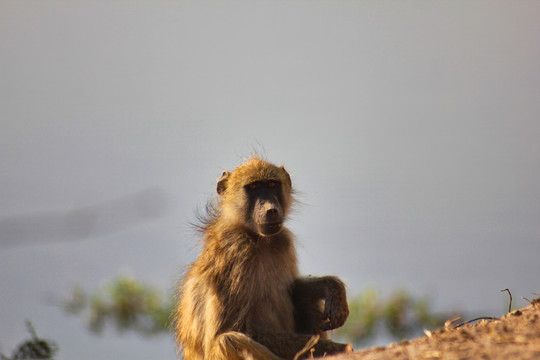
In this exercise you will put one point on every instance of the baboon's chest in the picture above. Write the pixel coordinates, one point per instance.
(271, 305)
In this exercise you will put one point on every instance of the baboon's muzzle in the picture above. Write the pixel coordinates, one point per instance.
(269, 218)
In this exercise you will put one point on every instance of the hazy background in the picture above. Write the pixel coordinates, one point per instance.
(410, 128)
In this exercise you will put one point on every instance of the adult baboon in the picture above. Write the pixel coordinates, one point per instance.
(243, 297)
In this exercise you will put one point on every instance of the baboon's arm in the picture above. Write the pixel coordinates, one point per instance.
(307, 292)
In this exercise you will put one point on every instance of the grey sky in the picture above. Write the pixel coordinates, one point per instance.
(411, 130)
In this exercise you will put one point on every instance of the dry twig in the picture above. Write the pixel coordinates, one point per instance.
(509, 294)
(311, 343)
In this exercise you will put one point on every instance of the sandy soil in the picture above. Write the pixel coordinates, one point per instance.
(514, 336)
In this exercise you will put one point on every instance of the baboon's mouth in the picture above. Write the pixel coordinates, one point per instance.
(270, 229)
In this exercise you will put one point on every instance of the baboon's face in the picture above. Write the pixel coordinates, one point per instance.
(265, 199)
(257, 194)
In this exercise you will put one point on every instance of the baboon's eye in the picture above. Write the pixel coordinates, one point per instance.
(271, 184)
(252, 186)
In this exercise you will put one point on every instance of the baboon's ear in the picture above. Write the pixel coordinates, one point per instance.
(287, 176)
(222, 182)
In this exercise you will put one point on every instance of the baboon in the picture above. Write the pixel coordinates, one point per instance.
(243, 297)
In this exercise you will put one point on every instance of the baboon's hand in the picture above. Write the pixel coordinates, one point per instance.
(336, 309)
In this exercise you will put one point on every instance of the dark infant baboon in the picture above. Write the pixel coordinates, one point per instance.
(243, 297)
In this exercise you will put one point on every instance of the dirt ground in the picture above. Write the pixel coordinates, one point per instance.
(514, 336)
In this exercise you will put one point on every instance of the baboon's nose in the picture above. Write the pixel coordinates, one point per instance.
(272, 215)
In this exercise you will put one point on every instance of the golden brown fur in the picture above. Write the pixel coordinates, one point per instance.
(243, 296)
